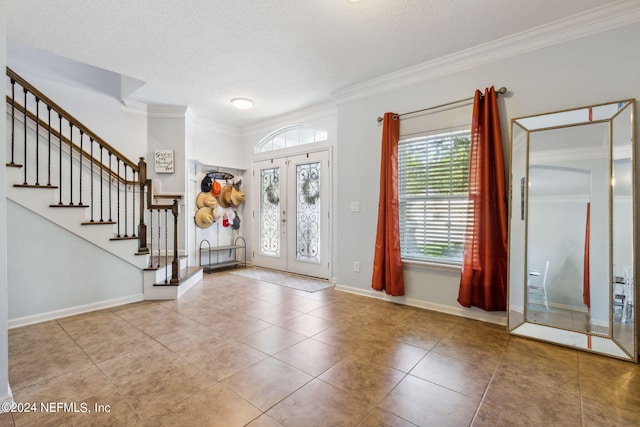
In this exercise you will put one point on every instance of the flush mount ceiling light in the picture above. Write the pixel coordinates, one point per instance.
(242, 103)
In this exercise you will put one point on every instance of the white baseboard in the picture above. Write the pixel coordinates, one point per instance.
(72, 311)
(6, 399)
(499, 318)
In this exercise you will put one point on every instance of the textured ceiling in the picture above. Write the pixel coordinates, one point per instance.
(285, 54)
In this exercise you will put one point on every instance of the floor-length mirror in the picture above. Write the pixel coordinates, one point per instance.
(572, 228)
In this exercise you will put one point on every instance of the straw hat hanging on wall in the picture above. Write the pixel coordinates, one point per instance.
(204, 217)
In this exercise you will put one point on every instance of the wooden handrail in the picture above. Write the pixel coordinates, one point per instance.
(67, 141)
(76, 123)
(140, 167)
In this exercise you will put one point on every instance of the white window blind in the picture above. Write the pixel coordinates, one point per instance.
(433, 195)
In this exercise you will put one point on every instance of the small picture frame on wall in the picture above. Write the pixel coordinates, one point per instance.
(165, 161)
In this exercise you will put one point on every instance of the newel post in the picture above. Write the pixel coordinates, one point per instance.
(175, 264)
(142, 227)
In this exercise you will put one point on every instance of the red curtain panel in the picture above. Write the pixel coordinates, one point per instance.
(483, 281)
(387, 264)
(586, 291)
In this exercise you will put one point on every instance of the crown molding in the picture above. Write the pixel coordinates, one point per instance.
(594, 21)
(133, 107)
(296, 117)
(158, 111)
(210, 125)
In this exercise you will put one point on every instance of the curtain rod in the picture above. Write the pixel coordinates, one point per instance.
(501, 91)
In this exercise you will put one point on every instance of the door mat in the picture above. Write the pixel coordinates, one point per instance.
(294, 281)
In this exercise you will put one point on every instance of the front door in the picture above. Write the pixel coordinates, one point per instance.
(292, 214)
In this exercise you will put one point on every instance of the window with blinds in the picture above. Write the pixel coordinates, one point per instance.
(433, 195)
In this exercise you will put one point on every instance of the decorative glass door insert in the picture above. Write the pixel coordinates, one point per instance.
(308, 211)
(293, 214)
(270, 212)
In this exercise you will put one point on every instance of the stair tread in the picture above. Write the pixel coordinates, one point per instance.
(51, 187)
(78, 205)
(158, 262)
(185, 273)
(124, 238)
(99, 223)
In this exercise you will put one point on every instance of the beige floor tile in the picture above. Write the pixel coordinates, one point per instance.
(275, 313)
(365, 378)
(306, 324)
(214, 407)
(423, 403)
(599, 412)
(464, 377)
(319, 404)
(221, 360)
(137, 365)
(267, 382)
(614, 382)
(494, 416)
(158, 363)
(534, 400)
(70, 387)
(31, 342)
(150, 395)
(377, 418)
(6, 419)
(46, 365)
(240, 326)
(311, 356)
(471, 349)
(273, 339)
(264, 421)
(105, 345)
(391, 353)
(107, 408)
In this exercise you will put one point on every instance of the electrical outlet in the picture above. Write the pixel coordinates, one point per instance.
(356, 266)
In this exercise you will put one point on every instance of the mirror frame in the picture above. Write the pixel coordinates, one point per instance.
(589, 341)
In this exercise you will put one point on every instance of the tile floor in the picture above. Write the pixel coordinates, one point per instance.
(235, 351)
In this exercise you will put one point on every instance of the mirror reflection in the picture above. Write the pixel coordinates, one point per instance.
(571, 231)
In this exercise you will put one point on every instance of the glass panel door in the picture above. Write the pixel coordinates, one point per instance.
(309, 225)
(270, 251)
(292, 214)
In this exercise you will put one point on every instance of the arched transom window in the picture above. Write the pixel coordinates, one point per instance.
(290, 136)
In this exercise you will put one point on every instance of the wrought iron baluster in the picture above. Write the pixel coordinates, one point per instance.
(101, 186)
(159, 237)
(49, 141)
(37, 139)
(60, 157)
(13, 120)
(118, 198)
(25, 136)
(109, 187)
(166, 246)
(70, 164)
(133, 206)
(92, 179)
(81, 155)
(125, 201)
(151, 238)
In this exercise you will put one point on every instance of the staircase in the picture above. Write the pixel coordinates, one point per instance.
(61, 170)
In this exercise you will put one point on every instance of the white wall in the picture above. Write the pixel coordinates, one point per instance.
(85, 93)
(5, 392)
(580, 72)
(213, 144)
(47, 275)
